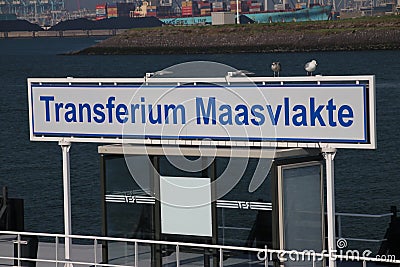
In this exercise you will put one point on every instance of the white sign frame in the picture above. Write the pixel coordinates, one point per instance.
(368, 82)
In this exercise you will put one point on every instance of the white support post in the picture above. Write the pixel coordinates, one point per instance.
(329, 155)
(237, 12)
(65, 146)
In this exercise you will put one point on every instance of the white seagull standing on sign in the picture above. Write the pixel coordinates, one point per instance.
(310, 67)
(276, 68)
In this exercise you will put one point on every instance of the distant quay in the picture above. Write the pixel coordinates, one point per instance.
(75, 28)
(368, 33)
(67, 33)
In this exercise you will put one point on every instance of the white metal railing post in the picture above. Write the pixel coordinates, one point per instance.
(57, 251)
(65, 146)
(237, 12)
(221, 258)
(329, 155)
(136, 255)
(177, 256)
(95, 252)
(266, 256)
(19, 249)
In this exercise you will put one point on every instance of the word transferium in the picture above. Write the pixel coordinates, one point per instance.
(293, 113)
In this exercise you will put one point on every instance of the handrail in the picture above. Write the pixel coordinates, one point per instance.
(339, 216)
(364, 215)
(219, 249)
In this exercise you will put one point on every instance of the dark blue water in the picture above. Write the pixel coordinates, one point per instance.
(366, 181)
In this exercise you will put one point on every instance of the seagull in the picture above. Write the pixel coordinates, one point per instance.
(276, 67)
(239, 73)
(160, 72)
(310, 67)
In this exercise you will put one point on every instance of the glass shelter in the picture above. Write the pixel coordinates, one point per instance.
(236, 196)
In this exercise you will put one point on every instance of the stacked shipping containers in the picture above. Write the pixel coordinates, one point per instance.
(101, 11)
(254, 6)
(246, 6)
(151, 11)
(301, 5)
(205, 8)
(164, 11)
(112, 11)
(218, 6)
(187, 8)
(233, 6)
(281, 6)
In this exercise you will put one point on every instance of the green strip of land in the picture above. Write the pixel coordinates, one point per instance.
(367, 33)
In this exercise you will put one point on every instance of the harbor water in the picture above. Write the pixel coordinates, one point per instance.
(367, 181)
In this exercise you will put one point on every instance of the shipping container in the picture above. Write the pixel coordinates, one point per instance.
(202, 4)
(164, 11)
(167, 3)
(301, 5)
(205, 12)
(220, 18)
(187, 11)
(233, 8)
(101, 11)
(101, 6)
(187, 3)
(217, 5)
(112, 11)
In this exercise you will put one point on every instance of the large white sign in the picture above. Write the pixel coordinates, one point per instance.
(337, 114)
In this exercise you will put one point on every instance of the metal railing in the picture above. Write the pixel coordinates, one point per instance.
(340, 215)
(264, 256)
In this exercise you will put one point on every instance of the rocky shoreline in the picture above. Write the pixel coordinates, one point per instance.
(369, 33)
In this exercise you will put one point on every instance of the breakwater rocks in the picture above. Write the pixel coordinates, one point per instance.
(367, 33)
